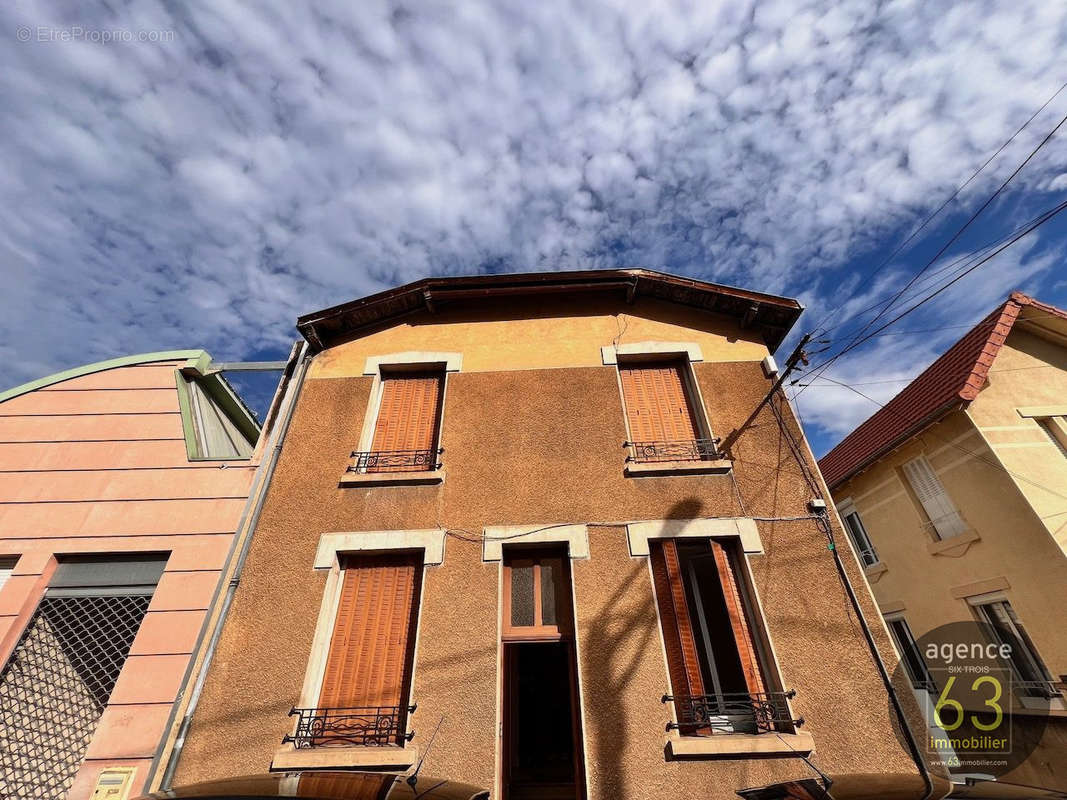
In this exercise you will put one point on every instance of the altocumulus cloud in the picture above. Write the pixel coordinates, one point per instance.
(270, 159)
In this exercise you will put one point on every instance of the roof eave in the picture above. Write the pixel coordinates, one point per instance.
(772, 314)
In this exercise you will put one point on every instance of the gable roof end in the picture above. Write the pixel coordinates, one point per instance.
(952, 381)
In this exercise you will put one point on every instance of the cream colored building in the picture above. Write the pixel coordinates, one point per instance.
(955, 497)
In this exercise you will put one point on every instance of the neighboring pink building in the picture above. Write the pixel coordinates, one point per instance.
(122, 485)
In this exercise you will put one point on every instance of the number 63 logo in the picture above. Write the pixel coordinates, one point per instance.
(992, 702)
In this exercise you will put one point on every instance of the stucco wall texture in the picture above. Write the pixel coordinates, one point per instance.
(543, 446)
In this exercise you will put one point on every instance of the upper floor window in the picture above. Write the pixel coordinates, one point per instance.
(1031, 674)
(217, 424)
(943, 519)
(910, 656)
(408, 425)
(712, 635)
(857, 534)
(1056, 430)
(665, 420)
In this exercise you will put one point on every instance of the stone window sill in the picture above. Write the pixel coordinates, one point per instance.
(290, 759)
(876, 571)
(955, 545)
(421, 478)
(741, 745)
(635, 469)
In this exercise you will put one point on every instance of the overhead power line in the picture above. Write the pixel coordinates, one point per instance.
(1051, 213)
(885, 262)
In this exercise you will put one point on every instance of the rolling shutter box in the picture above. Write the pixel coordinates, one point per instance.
(371, 650)
(658, 406)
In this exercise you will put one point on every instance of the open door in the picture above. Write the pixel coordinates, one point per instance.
(542, 738)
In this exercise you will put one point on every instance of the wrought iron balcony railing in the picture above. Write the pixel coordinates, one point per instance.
(370, 725)
(732, 712)
(682, 450)
(395, 460)
(1042, 689)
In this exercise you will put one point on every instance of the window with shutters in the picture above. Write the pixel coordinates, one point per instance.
(665, 420)
(408, 423)
(714, 642)
(364, 695)
(942, 518)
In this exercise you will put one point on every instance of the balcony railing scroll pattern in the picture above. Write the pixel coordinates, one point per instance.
(679, 450)
(362, 726)
(733, 712)
(395, 460)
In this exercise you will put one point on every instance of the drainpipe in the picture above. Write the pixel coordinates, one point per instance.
(296, 384)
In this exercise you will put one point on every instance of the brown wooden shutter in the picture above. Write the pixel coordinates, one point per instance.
(739, 621)
(371, 650)
(351, 786)
(409, 412)
(683, 660)
(657, 403)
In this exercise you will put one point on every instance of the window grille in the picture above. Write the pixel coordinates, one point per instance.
(55, 686)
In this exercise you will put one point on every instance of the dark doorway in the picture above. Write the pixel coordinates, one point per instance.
(542, 753)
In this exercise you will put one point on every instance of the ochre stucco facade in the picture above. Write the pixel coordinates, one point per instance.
(532, 431)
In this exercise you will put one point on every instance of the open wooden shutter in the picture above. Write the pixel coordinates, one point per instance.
(657, 403)
(683, 659)
(369, 662)
(408, 413)
(739, 621)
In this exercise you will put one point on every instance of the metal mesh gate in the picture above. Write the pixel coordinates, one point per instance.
(55, 686)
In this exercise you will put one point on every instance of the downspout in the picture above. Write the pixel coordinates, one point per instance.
(823, 523)
(913, 746)
(296, 384)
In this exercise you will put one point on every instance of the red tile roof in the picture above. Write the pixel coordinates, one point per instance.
(953, 380)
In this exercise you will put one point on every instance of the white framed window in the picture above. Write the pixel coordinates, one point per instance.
(944, 521)
(1056, 430)
(857, 534)
(1031, 675)
(910, 655)
(7, 565)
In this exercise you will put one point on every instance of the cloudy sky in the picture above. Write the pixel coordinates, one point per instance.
(232, 166)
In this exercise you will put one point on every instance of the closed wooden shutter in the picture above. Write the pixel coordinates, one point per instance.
(371, 650)
(933, 498)
(683, 659)
(739, 621)
(658, 406)
(408, 414)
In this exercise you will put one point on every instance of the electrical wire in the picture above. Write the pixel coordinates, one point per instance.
(942, 207)
(858, 338)
(1042, 219)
